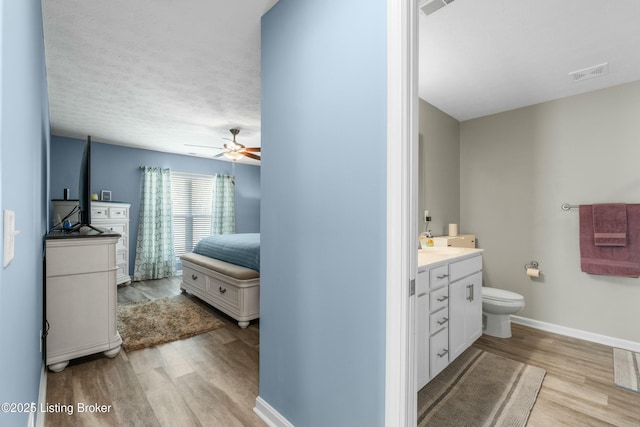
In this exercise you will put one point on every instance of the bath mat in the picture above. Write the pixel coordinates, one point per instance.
(150, 323)
(480, 388)
(626, 371)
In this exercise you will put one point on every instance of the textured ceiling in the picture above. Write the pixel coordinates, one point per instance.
(160, 74)
(483, 57)
(155, 74)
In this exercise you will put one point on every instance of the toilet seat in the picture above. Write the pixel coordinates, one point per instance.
(500, 295)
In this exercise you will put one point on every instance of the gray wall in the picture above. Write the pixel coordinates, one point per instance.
(518, 167)
(439, 170)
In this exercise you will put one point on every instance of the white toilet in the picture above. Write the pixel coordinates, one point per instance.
(497, 307)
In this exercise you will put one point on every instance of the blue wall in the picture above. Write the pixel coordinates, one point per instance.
(24, 141)
(323, 246)
(117, 168)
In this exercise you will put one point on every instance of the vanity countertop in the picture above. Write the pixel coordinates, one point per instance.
(431, 257)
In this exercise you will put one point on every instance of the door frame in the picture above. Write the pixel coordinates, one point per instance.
(402, 174)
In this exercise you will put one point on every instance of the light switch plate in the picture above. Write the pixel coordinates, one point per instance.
(10, 233)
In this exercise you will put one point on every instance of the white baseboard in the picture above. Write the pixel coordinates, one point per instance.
(577, 333)
(36, 418)
(42, 396)
(269, 415)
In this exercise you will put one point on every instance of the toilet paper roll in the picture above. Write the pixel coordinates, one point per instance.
(533, 272)
(453, 230)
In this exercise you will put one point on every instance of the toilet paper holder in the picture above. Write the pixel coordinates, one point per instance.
(532, 264)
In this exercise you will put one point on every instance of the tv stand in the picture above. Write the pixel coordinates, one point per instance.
(80, 296)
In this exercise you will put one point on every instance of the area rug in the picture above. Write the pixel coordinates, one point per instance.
(480, 389)
(150, 323)
(626, 371)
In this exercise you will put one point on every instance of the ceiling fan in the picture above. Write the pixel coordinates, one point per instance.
(234, 150)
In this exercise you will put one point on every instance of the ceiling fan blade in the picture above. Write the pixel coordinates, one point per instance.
(203, 146)
(252, 156)
(219, 155)
(252, 149)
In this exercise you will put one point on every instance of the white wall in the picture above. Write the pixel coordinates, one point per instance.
(518, 167)
(439, 171)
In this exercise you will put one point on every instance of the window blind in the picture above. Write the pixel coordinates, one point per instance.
(192, 203)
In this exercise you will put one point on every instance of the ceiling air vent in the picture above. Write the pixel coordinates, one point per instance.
(429, 6)
(590, 73)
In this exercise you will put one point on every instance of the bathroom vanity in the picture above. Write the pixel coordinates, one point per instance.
(448, 307)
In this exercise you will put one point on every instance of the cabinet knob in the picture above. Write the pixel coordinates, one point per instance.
(194, 277)
(222, 290)
(442, 276)
(443, 298)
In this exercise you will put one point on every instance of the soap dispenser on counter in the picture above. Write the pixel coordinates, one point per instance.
(426, 239)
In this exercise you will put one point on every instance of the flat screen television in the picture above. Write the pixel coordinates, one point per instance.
(84, 192)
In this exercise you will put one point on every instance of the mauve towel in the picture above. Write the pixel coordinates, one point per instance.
(621, 261)
(610, 224)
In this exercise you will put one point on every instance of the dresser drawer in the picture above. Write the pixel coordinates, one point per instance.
(81, 256)
(460, 269)
(121, 257)
(118, 213)
(226, 294)
(99, 213)
(439, 352)
(438, 320)
(438, 276)
(439, 299)
(194, 278)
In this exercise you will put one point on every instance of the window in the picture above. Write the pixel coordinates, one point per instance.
(192, 203)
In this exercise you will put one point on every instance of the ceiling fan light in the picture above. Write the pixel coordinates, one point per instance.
(233, 155)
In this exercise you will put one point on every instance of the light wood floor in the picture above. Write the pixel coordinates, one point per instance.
(212, 379)
(578, 389)
(208, 380)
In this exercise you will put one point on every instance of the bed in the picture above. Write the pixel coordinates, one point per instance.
(224, 271)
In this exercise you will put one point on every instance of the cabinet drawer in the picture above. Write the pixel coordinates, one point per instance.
(439, 299)
(118, 213)
(438, 276)
(422, 282)
(438, 320)
(194, 278)
(65, 259)
(439, 352)
(99, 213)
(460, 269)
(226, 294)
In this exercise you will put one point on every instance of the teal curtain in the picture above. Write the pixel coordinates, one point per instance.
(224, 205)
(155, 256)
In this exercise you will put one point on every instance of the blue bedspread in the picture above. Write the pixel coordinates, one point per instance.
(240, 249)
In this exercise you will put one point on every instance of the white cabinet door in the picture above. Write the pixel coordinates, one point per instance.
(465, 313)
(457, 323)
(473, 312)
(422, 339)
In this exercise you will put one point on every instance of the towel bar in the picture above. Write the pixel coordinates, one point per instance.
(567, 206)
